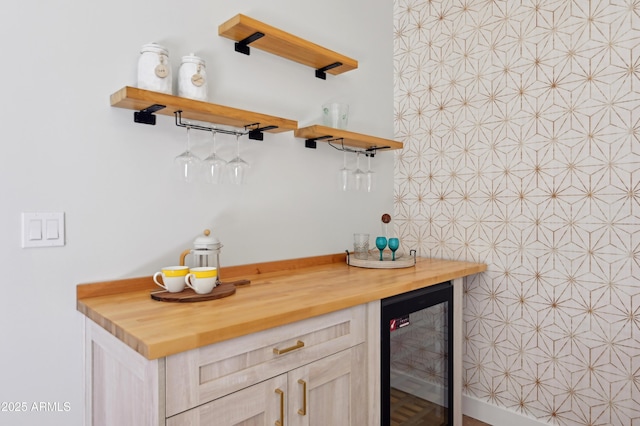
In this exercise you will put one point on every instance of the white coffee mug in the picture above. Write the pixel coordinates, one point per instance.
(201, 279)
(172, 278)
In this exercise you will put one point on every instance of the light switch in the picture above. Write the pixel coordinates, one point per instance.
(52, 229)
(35, 229)
(42, 229)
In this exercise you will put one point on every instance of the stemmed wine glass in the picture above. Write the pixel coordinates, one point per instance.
(237, 167)
(381, 243)
(344, 173)
(394, 244)
(214, 165)
(370, 177)
(358, 174)
(187, 163)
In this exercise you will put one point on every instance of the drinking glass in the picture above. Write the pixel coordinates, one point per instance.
(187, 163)
(361, 246)
(394, 243)
(335, 115)
(237, 167)
(381, 243)
(344, 173)
(370, 176)
(359, 176)
(214, 166)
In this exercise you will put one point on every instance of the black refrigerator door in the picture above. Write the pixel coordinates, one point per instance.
(417, 357)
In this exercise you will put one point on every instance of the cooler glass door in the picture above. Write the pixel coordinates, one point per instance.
(417, 361)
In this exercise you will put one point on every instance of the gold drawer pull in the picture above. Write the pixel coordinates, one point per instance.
(298, 345)
(281, 421)
(303, 410)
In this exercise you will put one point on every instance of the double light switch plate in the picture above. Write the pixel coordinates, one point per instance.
(42, 229)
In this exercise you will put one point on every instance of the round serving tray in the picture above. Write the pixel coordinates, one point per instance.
(402, 260)
(188, 295)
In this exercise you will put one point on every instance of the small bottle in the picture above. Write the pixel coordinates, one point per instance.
(192, 78)
(154, 69)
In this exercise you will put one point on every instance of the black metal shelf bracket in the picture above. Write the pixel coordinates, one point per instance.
(146, 116)
(242, 46)
(254, 131)
(322, 72)
(311, 143)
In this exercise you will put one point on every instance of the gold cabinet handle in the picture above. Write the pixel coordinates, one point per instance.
(281, 421)
(298, 345)
(303, 410)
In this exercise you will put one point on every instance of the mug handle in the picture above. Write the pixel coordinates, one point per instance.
(155, 279)
(187, 281)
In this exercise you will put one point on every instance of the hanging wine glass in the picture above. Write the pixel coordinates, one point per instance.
(214, 166)
(187, 163)
(359, 176)
(237, 167)
(370, 176)
(343, 173)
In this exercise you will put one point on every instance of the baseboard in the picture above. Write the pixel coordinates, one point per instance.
(494, 415)
(420, 388)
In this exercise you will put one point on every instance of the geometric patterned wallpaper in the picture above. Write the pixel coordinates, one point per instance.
(521, 126)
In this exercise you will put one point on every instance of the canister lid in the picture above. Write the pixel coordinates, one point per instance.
(154, 48)
(191, 58)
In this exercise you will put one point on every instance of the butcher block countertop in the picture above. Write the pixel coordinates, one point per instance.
(280, 292)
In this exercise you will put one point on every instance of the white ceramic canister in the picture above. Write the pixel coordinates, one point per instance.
(154, 69)
(192, 78)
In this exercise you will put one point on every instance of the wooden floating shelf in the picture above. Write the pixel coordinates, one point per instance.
(346, 138)
(138, 99)
(244, 30)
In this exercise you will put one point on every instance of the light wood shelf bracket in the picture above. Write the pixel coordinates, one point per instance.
(247, 31)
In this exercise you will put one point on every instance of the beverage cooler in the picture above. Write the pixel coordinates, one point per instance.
(417, 357)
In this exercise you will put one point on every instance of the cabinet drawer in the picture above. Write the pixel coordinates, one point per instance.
(202, 375)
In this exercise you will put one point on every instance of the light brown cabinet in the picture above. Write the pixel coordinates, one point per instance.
(257, 405)
(330, 391)
(131, 341)
(310, 372)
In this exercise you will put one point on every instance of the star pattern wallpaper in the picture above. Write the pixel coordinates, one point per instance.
(521, 128)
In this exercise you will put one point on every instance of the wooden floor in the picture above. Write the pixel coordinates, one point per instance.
(410, 410)
(468, 421)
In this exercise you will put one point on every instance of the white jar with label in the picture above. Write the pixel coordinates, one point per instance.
(154, 69)
(192, 78)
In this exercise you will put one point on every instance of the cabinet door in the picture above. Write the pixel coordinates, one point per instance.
(201, 375)
(330, 391)
(262, 404)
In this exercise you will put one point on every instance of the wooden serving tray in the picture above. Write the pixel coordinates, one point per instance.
(188, 295)
(374, 262)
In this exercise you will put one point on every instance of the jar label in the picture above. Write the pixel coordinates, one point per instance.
(162, 70)
(197, 80)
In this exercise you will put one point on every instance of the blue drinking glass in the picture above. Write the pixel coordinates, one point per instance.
(394, 243)
(381, 243)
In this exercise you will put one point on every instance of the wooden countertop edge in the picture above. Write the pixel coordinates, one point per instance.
(160, 348)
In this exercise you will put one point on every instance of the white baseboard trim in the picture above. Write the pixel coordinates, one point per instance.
(494, 415)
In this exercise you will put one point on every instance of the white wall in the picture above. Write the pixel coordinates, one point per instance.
(65, 149)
